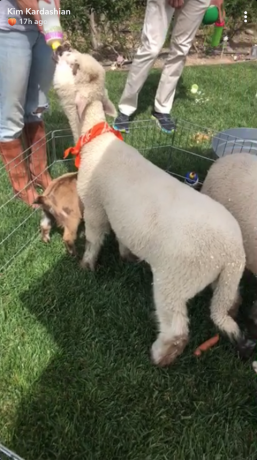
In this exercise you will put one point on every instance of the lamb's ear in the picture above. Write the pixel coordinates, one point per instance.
(81, 103)
(108, 106)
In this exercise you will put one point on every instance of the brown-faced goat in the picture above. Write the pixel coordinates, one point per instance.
(60, 203)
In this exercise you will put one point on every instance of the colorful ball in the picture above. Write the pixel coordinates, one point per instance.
(191, 178)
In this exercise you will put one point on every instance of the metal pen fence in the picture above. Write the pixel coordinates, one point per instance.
(189, 148)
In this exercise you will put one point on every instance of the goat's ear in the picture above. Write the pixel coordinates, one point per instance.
(108, 106)
(81, 103)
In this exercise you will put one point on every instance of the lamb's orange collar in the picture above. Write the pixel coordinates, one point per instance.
(97, 130)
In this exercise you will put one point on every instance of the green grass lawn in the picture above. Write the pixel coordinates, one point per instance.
(76, 381)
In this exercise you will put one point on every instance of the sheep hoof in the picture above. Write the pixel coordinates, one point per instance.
(46, 238)
(165, 353)
(245, 348)
(86, 265)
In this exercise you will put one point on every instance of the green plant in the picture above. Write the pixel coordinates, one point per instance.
(94, 24)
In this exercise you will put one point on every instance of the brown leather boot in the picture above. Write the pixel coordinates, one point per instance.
(16, 168)
(34, 137)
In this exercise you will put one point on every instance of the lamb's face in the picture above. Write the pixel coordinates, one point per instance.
(84, 67)
(69, 59)
(63, 75)
(85, 77)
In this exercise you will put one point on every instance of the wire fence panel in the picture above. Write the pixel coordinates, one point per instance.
(189, 148)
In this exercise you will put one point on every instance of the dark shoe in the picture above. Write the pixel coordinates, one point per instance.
(121, 123)
(164, 122)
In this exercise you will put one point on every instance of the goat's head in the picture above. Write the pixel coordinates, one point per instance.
(88, 79)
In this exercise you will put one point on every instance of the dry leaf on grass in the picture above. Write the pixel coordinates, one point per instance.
(201, 137)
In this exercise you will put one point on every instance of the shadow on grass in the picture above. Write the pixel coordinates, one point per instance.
(179, 161)
(66, 414)
(101, 398)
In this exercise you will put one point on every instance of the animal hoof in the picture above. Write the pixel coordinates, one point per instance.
(163, 354)
(46, 239)
(85, 265)
(72, 252)
(245, 348)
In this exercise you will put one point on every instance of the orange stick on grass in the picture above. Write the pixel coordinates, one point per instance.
(206, 345)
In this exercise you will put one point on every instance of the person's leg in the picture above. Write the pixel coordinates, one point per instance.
(40, 80)
(15, 61)
(186, 23)
(156, 23)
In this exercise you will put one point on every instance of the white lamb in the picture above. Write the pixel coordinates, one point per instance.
(232, 181)
(65, 89)
(188, 239)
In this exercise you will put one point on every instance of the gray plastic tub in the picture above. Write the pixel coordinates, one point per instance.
(235, 140)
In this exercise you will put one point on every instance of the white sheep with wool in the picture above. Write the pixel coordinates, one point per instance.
(189, 240)
(232, 181)
(64, 85)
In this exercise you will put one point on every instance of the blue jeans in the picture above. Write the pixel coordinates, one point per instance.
(26, 73)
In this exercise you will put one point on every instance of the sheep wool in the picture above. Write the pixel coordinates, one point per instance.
(63, 84)
(189, 240)
(232, 181)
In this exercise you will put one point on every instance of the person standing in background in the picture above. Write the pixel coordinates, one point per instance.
(188, 15)
(26, 73)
